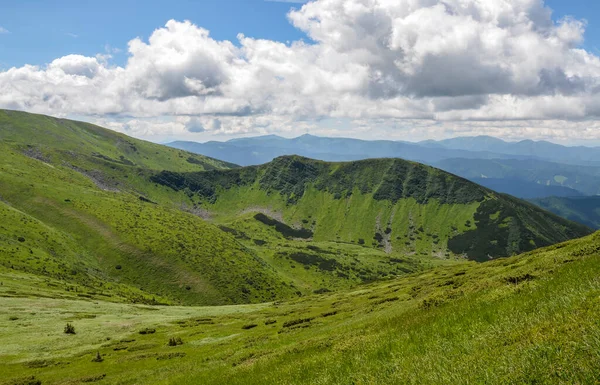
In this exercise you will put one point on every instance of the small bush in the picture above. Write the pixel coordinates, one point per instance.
(98, 358)
(270, 321)
(147, 331)
(118, 267)
(329, 314)
(249, 326)
(174, 341)
(295, 322)
(13, 318)
(69, 329)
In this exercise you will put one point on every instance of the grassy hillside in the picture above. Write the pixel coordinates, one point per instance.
(321, 272)
(75, 210)
(390, 204)
(584, 210)
(61, 140)
(532, 318)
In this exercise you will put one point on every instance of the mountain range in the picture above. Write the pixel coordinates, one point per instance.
(261, 149)
(525, 169)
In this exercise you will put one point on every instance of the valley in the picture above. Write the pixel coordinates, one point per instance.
(173, 267)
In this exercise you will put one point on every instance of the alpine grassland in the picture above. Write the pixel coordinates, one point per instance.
(530, 318)
(127, 262)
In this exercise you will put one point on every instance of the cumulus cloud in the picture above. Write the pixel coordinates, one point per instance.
(3, 30)
(390, 61)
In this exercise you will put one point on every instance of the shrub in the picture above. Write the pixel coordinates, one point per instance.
(174, 341)
(69, 329)
(13, 318)
(98, 358)
(295, 322)
(249, 326)
(147, 331)
(118, 267)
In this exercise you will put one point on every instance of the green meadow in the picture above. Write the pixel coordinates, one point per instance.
(525, 319)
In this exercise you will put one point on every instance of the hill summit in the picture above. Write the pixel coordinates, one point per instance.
(387, 203)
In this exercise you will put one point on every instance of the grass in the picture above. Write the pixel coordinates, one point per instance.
(340, 272)
(481, 225)
(52, 140)
(86, 208)
(59, 224)
(525, 319)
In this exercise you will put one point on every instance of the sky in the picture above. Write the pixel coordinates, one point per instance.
(372, 69)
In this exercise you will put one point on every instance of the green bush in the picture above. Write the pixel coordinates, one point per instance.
(69, 329)
(98, 358)
(174, 341)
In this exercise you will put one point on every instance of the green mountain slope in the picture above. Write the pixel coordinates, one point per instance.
(73, 209)
(390, 204)
(102, 218)
(584, 210)
(51, 139)
(529, 319)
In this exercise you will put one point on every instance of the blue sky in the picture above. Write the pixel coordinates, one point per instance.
(423, 70)
(41, 31)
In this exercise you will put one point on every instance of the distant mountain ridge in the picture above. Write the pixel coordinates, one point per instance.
(475, 147)
(263, 149)
(528, 169)
(534, 149)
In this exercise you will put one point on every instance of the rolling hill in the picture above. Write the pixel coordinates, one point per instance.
(47, 138)
(75, 205)
(146, 223)
(390, 204)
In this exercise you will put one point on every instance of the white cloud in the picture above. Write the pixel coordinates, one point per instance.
(478, 64)
(3, 30)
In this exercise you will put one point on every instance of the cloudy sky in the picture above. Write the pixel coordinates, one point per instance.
(392, 69)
